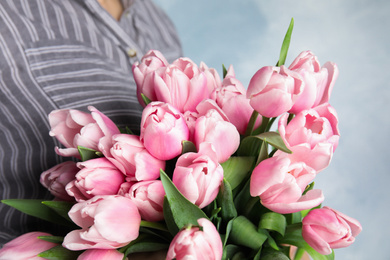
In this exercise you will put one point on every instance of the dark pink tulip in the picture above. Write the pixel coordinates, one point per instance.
(223, 135)
(56, 178)
(163, 129)
(96, 177)
(198, 176)
(273, 90)
(280, 183)
(106, 254)
(130, 156)
(107, 222)
(194, 242)
(325, 229)
(26, 247)
(312, 135)
(319, 81)
(148, 196)
(142, 74)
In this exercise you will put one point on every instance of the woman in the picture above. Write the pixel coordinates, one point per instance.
(58, 54)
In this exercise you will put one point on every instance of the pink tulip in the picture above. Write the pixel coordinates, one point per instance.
(326, 228)
(181, 84)
(319, 81)
(213, 78)
(65, 124)
(130, 156)
(163, 129)
(198, 176)
(280, 183)
(96, 177)
(273, 90)
(231, 98)
(106, 254)
(148, 196)
(312, 135)
(143, 76)
(107, 222)
(223, 135)
(56, 178)
(195, 242)
(80, 129)
(26, 247)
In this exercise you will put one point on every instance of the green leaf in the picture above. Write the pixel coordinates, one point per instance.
(273, 221)
(274, 139)
(35, 208)
(236, 169)
(244, 233)
(230, 251)
(145, 99)
(87, 153)
(53, 239)
(224, 71)
(225, 201)
(275, 255)
(144, 243)
(59, 253)
(263, 152)
(293, 236)
(182, 210)
(61, 207)
(188, 147)
(286, 44)
(154, 225)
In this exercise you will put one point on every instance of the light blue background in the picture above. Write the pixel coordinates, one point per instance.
(352, 33)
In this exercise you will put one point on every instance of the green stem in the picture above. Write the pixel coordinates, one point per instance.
(262, 127)
(251, 123)
(154, 225)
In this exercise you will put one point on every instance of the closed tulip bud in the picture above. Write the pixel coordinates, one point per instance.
(106, 254)
(325, 229)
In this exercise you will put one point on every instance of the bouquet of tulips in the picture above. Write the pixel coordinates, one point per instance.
(206, 178)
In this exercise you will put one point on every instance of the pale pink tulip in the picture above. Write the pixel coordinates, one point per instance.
(273, 90)
(80, 129)
(56, 178)
(106, 254)
(280, 183)
(319, 81)
(148, 196)
(213, 78)
(130, 156)
(107, 222)
(195, 242)
(223, 135)
(312, 135)
(231, 98)
(26, 247)
(181, 84)
(198, 176)
(325, 229)
(143, 76)
(96, 177)
(163, 129)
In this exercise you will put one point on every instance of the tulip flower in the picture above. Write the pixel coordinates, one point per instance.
(279, 183)
(56, 178)
(148, 196)
(106, 254)
(107, 222)
(273, 90)
(143, 76)
(325, 229)
(26, 247)
(312, 135)
(96, 177)
(194, 242)
(130, 156)
(163, 129)
(223, 135)
(198, 176)
(319, 81)
(213, 78)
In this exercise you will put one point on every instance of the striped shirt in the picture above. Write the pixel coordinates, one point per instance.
(57, 54)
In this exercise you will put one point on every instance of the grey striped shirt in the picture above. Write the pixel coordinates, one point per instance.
(65, 54)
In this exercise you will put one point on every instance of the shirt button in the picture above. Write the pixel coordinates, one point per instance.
(131, 53)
